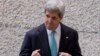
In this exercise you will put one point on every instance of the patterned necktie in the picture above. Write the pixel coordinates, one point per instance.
(53, 45)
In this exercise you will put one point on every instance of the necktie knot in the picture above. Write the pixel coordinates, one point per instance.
(52, 33)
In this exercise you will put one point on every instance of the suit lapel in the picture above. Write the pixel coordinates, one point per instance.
(64, 34)
(44, 40)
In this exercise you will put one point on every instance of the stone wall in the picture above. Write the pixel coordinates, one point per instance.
(18, 16)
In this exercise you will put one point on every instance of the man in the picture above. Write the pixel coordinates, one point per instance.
(52, 38)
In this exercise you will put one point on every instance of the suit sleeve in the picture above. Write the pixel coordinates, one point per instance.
(76, 48)
(26, 46)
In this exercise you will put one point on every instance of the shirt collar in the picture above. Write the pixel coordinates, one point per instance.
(57, 30)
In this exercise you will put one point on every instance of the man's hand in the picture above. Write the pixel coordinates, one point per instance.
(64, 54)
(36, 53)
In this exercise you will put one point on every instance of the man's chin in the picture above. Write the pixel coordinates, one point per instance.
(49, 28)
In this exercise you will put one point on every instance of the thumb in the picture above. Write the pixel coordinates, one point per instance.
(37, 50)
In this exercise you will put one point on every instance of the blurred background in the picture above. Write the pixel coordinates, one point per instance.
(19, 16)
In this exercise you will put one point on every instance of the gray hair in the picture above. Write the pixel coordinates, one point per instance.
(55, 5)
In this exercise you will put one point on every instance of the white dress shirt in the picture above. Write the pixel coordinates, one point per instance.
(57, 35)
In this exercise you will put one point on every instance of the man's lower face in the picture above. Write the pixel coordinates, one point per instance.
(51, 26)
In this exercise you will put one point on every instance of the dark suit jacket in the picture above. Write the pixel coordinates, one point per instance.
(37, 39)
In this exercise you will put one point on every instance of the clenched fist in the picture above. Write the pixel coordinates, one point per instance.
(36, 53)
(64, 54)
